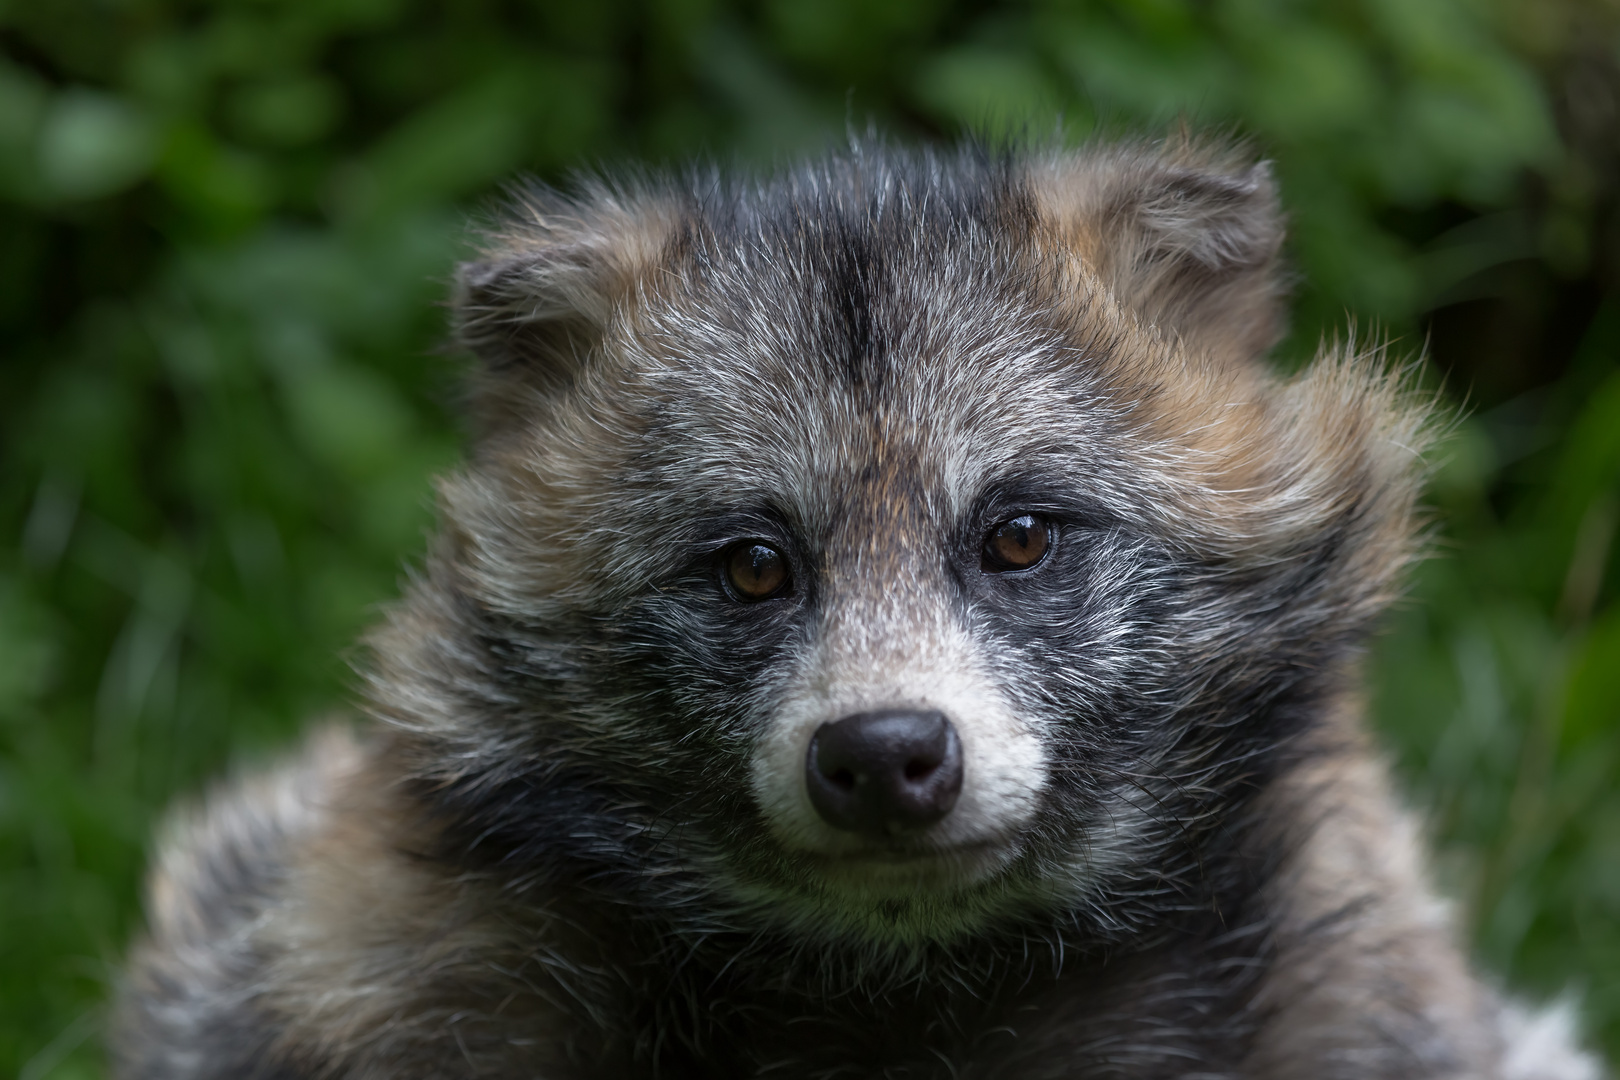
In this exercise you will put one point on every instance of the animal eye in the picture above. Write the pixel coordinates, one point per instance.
(1016, 544)
(755, 571)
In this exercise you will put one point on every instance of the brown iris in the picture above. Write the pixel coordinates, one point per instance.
(1017, 544)
(755, 571)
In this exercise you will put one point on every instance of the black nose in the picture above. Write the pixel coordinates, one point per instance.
(881, 772)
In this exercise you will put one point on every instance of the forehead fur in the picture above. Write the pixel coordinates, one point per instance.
(914, 326)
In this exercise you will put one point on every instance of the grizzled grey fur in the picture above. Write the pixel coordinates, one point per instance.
(575, 839)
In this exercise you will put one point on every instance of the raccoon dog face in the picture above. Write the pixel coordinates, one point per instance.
(895, 549)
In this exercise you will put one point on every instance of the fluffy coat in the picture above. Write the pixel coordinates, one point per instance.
(574, 840)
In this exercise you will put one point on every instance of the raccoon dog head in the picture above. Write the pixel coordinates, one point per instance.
(892, 549)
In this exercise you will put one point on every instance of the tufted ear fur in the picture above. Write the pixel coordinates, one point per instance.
(548, 284)
(1188, 240)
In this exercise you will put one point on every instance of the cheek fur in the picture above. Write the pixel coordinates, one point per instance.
(1088, 645)
(698, 673)
(1090, 656)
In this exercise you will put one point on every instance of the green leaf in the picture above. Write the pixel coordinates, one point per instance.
(92, 144)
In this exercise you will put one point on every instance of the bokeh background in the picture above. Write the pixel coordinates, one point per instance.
(225, 228)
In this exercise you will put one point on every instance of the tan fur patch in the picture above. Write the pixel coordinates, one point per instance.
(1365, 948)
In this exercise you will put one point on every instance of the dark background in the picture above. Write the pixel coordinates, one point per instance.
(225, 228)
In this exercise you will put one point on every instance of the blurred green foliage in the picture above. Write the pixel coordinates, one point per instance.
(225, 224)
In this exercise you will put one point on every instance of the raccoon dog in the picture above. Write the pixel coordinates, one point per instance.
(891, 624)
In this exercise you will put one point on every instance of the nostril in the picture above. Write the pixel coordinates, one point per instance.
(879, 772)
(917, 770)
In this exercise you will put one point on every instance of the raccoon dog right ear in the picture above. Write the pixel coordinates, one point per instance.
(549, 281)
(1187, 236)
